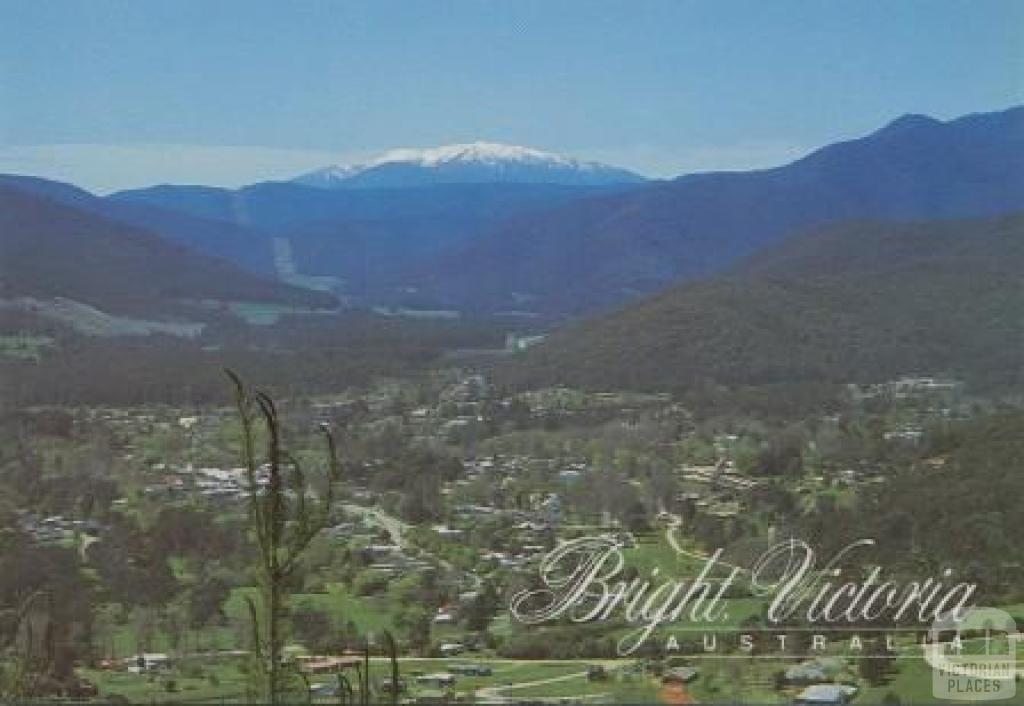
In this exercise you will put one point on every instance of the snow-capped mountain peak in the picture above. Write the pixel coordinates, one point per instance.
(340, 171)
(474, 162)
(486, 152)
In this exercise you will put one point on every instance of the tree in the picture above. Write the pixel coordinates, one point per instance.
(392, 649)
(284, 519)
(46, 613)
(875, 666)
(482, 608)
(635, 518)
(206, 600)
(312, 627)
(14, 673)
(415, 621)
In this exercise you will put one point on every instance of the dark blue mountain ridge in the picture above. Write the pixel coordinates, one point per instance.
(274, 206)
(242, 246)
(599, 252)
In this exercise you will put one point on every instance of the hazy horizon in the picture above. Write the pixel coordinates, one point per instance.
(237, 92)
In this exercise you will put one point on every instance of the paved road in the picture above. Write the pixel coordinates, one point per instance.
(397, 529)
(496, 694)
(392, 525)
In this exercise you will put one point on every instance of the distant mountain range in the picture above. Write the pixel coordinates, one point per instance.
(474, 163)
(488, 229)
(51, 249)
(851, 302)
(600, 252)
(369, 237)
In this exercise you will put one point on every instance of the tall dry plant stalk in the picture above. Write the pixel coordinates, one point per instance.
(285, 518)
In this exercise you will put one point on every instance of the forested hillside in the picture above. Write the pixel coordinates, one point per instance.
(48, 249)
(859, 301)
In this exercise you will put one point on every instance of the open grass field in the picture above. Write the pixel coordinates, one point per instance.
(210, 680)
(370, 613)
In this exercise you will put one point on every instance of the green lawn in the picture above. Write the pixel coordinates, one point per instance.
(505, 672)
(213, 679)
(655, 551)
(123, 641)
(369, 613)
(616, 688)
(912, 683)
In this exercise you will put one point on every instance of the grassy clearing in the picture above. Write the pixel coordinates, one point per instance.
(25, 346)
(369, 613)
(212, 680)
(263, 314)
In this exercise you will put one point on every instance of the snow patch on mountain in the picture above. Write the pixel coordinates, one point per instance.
(483, 161)
(479, 152)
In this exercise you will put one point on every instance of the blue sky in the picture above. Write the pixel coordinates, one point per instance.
(114, 94)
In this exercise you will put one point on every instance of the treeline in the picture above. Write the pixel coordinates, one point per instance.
(296, 356)
(742, 334)
(167, 370)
